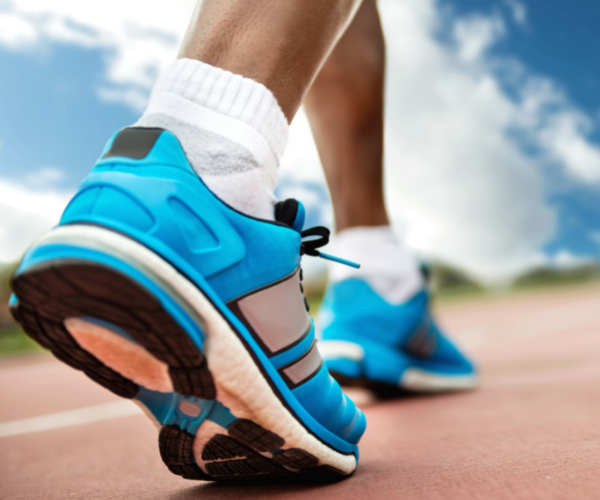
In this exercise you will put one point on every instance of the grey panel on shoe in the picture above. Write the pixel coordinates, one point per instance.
(303, 368)
(277, 314)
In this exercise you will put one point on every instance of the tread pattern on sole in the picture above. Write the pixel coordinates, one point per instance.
(196, 381)
(222, 447)
(227, 459)
(241, 455)
(247, 468)
(254, 436)
(49, 332)
(176, 450)
(295, 458)
(59, 290)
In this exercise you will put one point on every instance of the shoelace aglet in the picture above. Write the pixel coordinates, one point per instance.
(340, 261)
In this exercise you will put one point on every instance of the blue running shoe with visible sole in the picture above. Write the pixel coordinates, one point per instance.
(161, 293)
(368, 342)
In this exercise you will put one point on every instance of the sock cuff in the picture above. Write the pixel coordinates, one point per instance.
(376, 248)
(229, 94)
(386, 264)
(365, 235)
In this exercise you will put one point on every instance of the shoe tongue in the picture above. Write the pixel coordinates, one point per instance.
(291, 213)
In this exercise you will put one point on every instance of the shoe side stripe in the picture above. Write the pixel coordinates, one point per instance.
(431, 343)
(422, 343)
(294, 352)
(304, 368)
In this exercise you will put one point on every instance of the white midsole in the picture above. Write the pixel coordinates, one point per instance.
(240, 385)
(340, 349)
(418, 380)
(413, 379)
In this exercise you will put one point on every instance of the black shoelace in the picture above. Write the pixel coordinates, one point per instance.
(318, 237)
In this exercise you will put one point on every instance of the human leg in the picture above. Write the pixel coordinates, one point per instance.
(345, 110)
(375, 320)
(281, 45)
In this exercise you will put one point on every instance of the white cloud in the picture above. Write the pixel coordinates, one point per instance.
(567, 261)
(134, 97)
(549, 120)
(476, 34)
(25, 214)
(139, 36)
(460, 187)
(564, 138)
(16, 31)
(300, 161)
(518, 11)
(45, 176)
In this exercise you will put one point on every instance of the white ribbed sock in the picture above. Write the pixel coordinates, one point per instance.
(231, 128)
(385, 263)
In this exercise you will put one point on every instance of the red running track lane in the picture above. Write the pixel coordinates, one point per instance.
(531, 432)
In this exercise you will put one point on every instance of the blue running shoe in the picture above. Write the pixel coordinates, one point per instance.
(368, 342)
(163, 294)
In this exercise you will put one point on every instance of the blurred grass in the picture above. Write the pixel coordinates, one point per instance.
(450, 285)
(12, 338)
(14, 341)
(314, 303)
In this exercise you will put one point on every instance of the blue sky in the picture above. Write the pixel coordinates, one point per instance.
(557, 39)
(57, 120)
(492, 104)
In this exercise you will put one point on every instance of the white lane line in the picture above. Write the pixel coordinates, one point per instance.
(69, 418)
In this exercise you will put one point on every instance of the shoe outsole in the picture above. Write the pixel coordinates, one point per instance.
(235, 460)
(390, 391)
(56, 290)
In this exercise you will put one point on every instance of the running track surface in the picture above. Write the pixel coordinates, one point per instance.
(532, 431)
